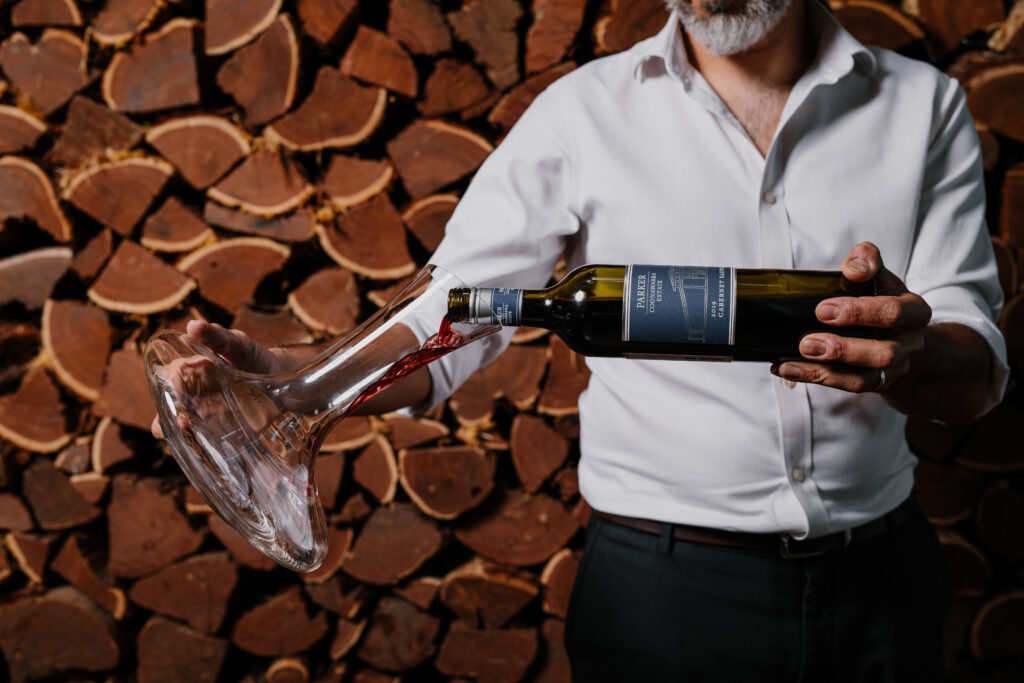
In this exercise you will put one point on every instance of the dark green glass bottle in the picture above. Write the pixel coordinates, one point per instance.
(671, 312)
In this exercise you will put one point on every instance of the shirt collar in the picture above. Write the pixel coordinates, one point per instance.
(838, 51)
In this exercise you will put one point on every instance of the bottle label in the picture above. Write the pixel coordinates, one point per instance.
(499, 306)
(683, 304)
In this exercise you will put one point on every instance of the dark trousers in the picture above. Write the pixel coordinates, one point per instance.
(647, 608)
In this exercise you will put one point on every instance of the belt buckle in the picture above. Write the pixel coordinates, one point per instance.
(788, 553)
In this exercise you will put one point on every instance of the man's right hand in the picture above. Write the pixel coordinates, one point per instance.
(234, 346)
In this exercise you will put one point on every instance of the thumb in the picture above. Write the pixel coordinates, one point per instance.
(235, 346)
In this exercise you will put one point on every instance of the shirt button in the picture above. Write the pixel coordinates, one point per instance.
(798, 475)
(769, 198)
(789, 383)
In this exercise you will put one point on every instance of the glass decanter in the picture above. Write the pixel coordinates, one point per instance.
(248, 441)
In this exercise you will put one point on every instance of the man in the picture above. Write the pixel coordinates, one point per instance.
(750, 523)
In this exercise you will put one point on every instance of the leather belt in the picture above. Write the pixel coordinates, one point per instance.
(783, 544)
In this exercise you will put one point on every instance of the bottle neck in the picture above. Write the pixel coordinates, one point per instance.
(499, 306)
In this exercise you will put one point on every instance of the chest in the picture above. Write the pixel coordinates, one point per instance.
(758, 111)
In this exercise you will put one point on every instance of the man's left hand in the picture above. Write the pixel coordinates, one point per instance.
(855, 364)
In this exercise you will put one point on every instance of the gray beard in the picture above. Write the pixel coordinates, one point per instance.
(728, 31)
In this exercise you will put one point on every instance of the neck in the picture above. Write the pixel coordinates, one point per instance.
(776, 62)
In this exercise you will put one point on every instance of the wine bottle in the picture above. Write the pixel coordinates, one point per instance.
(670, 312)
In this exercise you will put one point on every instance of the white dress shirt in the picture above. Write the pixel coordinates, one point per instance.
(633, 158)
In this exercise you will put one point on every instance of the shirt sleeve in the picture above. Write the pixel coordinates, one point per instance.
(953, 265)
(508, 230)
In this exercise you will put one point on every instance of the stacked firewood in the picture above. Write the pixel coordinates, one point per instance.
(281, 168)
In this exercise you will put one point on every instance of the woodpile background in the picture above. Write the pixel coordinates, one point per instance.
(280, 166)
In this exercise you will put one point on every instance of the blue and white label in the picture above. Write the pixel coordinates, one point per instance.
(503, 304)
(682, 304)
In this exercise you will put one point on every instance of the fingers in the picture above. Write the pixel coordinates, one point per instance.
(905, 310)
(845, 377)
(881, 354)
(234, 345)
(864, 262)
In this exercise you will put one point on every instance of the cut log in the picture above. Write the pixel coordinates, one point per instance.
(91, 486)
(568, 376)
(327, 473)
(78, 338)
(407, 432)
(446, 482)
(31, 553)
(29, 277)
(202, 148)
(147, 530)
(567, 483)
(998, 629)
(481, 596)
(512, 105)
(381, 297)
(537, 451)
(426, 218)
(339, 595)
(337, 113)
(46, 13)
(297, 226)
(54, 501)
(420, 592)
(241, 550)
(515, 374)
(999, 513)
(394, 542)
(108, 447)
(377, 58)
(376, 471)
(554, 666)
(76, 458)
(119, 193)
(268, 183)
(125, 392)
(985, 450)
(1009, 37)
(33, 416)
(626, 22)
(280, 626)
(5, 565)
(271, 328)
(489, 26)
(19, 345)
(174, 228)
(351, 433)
(995, 97)
(287, 670)
(326, 20)
(989, 147)
(13, 513)
(171, 653)
(1011, 215)
(233, 23)
(229, 271)
(159, 73)
(489, 656)
(522, 530)
(369, 240)
(194, 502)
(431, 154)
(968, 570)
(195, 590)
(73, 566)
(400, 636)
(338, 543)
(49, 72)
(371, 676)
(90, 130)
(946, 494)
(555, 25)
(349, 181)
(1011, 323)
(453, 86)
(873, 22)
(327, 301)
(949, 21)
(93, 256)
(29, 194)
(121, 20)
(1006, 264)
(419, 26)
(19, 130)
(136, 281)
(54, 633)
(557, 579)
(346, 635)
(261, 77)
